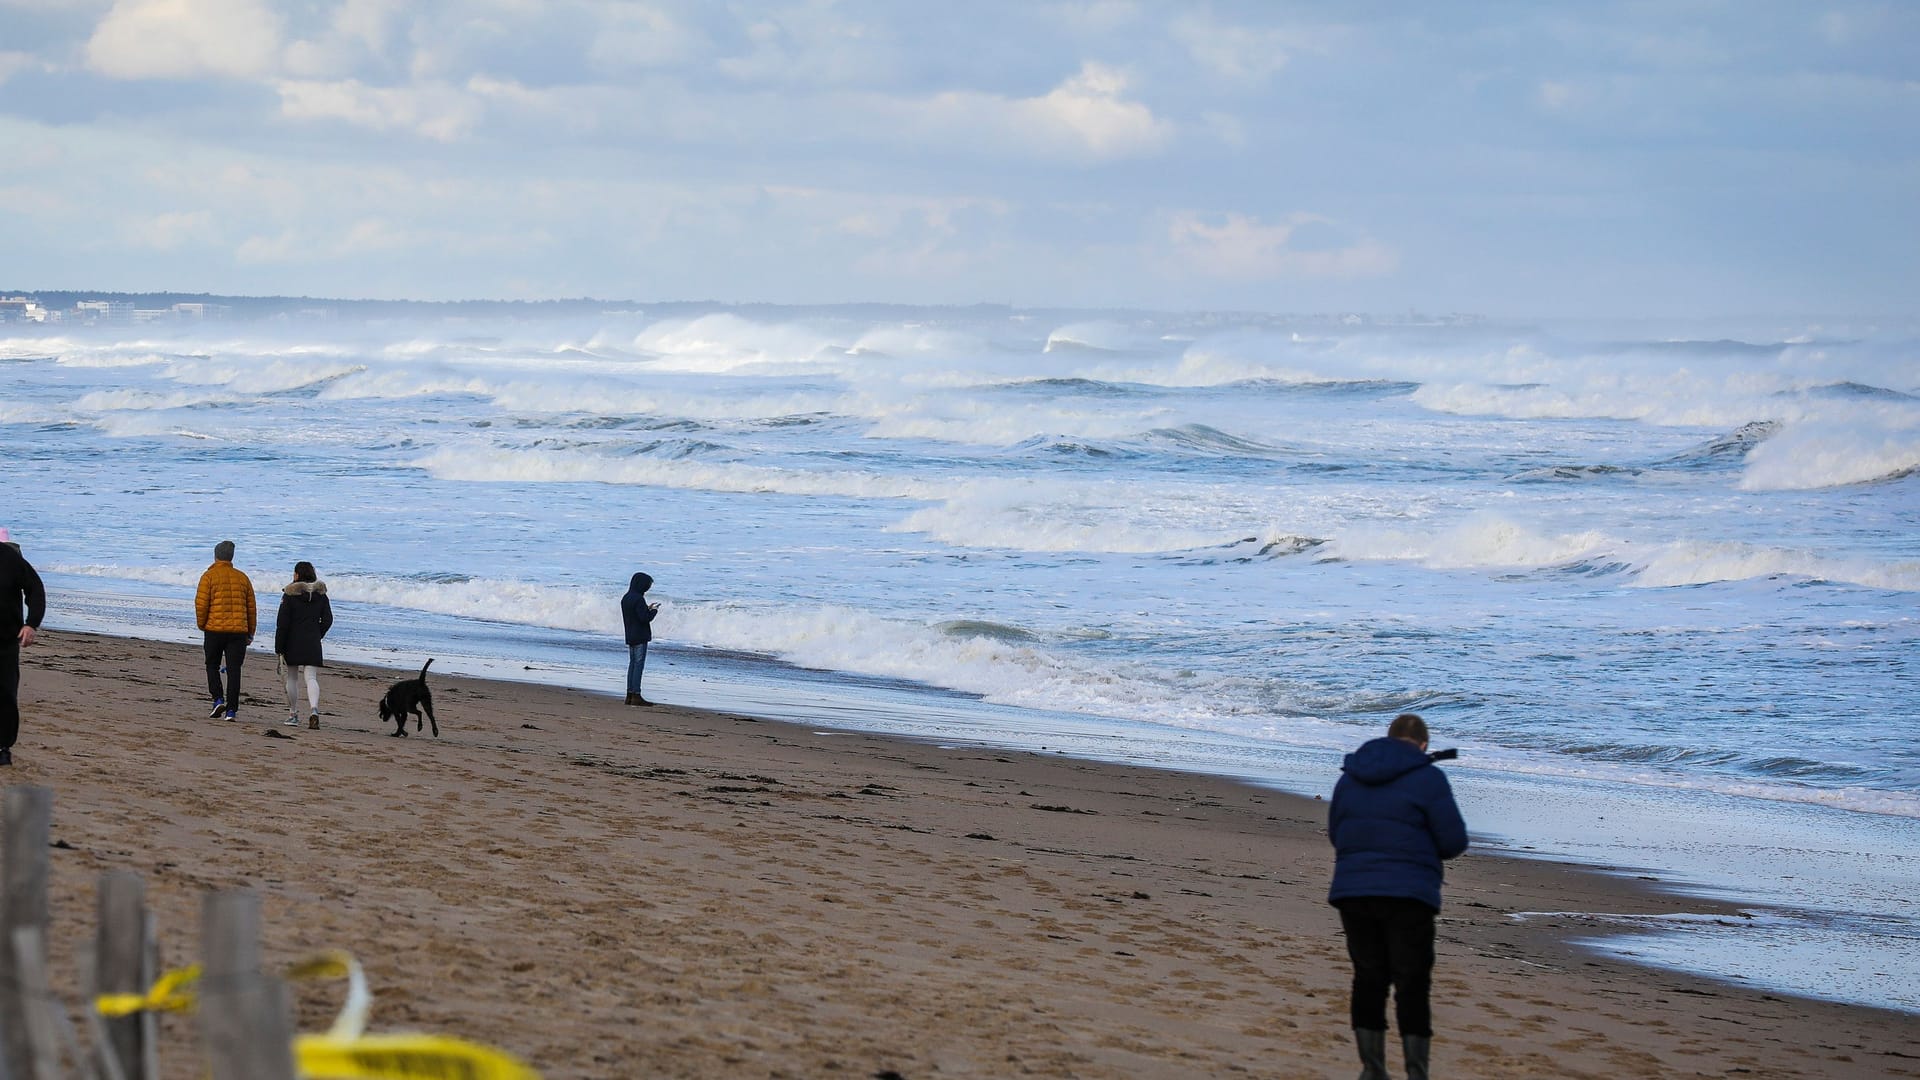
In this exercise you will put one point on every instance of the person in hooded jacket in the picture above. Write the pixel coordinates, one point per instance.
(637, 615)
(23, 603)
(305, 617)
(1393, 822)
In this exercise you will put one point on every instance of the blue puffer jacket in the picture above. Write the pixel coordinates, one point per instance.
(1392, 822)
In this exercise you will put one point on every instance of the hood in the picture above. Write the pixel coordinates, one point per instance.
(641, 583)
(307, 589)
(1382, 761)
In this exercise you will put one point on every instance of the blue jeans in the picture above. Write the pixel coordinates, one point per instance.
(636, 663)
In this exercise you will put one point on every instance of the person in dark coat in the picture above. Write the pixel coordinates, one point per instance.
(20, 588)
(305, 617)
(637, 615)
(1393, 822)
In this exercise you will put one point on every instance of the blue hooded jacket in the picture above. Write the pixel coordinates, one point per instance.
(1392, 821)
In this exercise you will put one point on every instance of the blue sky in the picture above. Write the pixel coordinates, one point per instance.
(1512, 158)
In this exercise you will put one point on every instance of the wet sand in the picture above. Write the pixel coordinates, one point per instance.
(617, 892)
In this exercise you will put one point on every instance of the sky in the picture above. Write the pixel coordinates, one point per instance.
(1504, 157)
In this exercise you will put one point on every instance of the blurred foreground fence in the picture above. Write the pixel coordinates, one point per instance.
(245, 1013)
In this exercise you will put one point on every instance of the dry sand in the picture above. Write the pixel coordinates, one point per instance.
(617, 892)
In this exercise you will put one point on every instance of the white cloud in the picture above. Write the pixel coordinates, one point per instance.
(183, 39)
(166, 232)
(811, 44)
(643, 36)
(367, 236)
(1086, 116)
(1241, 247)
(435, 110)
(358, 30)
(1235, 53)
(1555, 95)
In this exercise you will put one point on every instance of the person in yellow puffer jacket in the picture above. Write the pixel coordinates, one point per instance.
(223, 608)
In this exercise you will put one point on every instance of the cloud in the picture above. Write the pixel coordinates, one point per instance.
(185, 39)
(435, 110)
(166, 232)
(1554, 95)
(1241, 247)
(642, 36)
(358, 30)
(1086, 116)
(1237, 54)
(811, 44)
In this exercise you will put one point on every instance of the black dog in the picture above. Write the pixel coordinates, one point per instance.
(409, 696)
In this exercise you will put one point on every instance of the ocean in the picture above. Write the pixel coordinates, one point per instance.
(1657, 581)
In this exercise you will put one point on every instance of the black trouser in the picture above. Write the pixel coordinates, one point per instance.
(9, 689)
(1390, 941)
(232, 650)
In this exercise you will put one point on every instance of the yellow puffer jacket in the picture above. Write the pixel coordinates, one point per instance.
(224, 602)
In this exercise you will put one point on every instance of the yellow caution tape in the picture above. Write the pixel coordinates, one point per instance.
(172, 992)
(343, 1053)
(403, 1057)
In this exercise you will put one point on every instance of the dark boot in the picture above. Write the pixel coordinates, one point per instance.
(630, 696)
(1373, 1053)
(1416, 1047)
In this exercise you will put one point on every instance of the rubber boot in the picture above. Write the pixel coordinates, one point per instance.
(1416, 1047)
(1373, 1054)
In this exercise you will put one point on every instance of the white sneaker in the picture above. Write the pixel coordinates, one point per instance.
(291, 720)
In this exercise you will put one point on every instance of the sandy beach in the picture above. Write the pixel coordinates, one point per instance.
(617, 892)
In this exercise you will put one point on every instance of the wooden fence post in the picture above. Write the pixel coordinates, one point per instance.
(44, 1012)
(28, 827)
(121, 965)
(245, 1014)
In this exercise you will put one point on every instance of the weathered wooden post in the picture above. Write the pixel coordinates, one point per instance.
(28, 827)
(122, 964)
(44, 1013)
(245, 1014)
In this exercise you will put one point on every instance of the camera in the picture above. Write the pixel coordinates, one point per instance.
(1443, 755)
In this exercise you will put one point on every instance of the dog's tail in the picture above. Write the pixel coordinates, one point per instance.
(423, 669)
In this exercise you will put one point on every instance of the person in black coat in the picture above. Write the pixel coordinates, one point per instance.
(305, 617)
(637, 616)
(20, 588)
(1393, 822)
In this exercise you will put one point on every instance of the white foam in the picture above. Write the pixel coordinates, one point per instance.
(1103, 336)
(485, 463)
(1480, 541)
(1871, 442)
(1695, 562)
(723, 343)
(132, 399)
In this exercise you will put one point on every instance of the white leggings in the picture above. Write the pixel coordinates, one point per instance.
(294, 671)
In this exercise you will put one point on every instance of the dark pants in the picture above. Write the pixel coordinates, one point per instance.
(636, 666)
(1390, 941)
(230, 649)
(9, 689)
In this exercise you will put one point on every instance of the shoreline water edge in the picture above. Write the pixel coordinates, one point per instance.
(606, 891)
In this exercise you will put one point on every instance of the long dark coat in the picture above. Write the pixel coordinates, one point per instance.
(305, 616)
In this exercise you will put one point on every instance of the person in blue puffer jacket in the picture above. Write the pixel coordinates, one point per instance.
(1393, 823)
